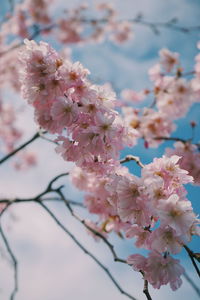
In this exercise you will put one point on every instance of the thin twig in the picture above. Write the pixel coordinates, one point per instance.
(36, 135)
(170, 139)
(192, 257)
(14, 260)
(47, 139)
(82, 221)
(132, 157)
(106, 270)
(49, 187)
(18, 200)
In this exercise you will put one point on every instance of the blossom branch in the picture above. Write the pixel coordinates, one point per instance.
(106, 270)
(35, 34)
(68, 203)
(171, 24)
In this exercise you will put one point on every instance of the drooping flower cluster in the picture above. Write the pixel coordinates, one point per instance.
(90, 132)
(152, 208)
(158, 270)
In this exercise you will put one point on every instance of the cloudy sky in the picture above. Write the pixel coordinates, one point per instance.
(51, 266)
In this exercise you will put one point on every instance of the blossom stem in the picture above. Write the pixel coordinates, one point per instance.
(146, 290)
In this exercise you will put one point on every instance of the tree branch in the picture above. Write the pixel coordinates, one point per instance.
(192, 257)
(82, 221)
(36, 135)
(132, 157)
(14, 260)
(146, 290)
(106, 270)
(18, 200)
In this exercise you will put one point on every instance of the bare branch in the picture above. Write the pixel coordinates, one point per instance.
(49, 187)
(18, 200)
(14, 260)
(192, 257)
(82, 221)
(36, 135)
(106, 270)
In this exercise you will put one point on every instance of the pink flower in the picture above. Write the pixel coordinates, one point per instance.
(176, 213)
(158, 270)
(168, 59)
(137, 261)
(64, 111)
(168, 170)
(132, 96)
(131, 205)
(161, 270)
(190, 159)
(121, 31)
(165, 240)
(152, 123)
(142, 236)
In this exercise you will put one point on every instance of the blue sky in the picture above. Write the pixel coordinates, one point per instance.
(51, 267)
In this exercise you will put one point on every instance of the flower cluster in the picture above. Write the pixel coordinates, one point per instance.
(89, 130)
(152, 208)
(173, 96)
(190, 158)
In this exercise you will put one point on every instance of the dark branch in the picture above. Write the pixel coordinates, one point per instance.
(192, 257)
(82, 221)
(106, 270)
(36, 135)
(13, 258)
(18, 200)
(146, 290)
